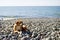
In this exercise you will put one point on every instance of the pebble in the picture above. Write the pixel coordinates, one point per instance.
(2, 32)
(32, 39)
(1, 37)
(4, 38)
(20, 36)
(38, 37)
(25, 38)
(47, 34)
(0, 26)
(34, 34)
(52, 33)
(10, 35)
(56, 29)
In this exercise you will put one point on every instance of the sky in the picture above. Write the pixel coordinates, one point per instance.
(29, 2)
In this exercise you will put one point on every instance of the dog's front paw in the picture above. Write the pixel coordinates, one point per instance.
(20, 32)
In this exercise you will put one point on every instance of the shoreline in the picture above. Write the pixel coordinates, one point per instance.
(11, 18)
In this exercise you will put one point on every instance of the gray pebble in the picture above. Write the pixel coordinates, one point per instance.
(34, 34)
(38, 37)
(4, 36)
(4, 39)
(1, 37)
(25, 38)
(32, 39)
(20, 36)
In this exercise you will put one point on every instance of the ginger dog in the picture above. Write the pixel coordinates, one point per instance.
(18, 26)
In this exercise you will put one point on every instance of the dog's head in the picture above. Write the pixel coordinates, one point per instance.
(19, 22)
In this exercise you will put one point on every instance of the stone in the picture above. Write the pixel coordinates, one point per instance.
(1, 37)
(25, 38)
(10, 35)
(38, 37)
(4, 36)
(20, 36)
(14, 39)
(34, 34)
(15, 36)
(2, 32)
(56, 29)
(32, 39)
(50, 38)
(47, 34)
(0, 26)
(52, 33)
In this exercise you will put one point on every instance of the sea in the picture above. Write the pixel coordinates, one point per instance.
(29, 11)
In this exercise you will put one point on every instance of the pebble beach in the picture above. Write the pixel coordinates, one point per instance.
(38, 28)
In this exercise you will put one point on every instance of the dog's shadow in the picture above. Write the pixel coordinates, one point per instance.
(27, 32)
